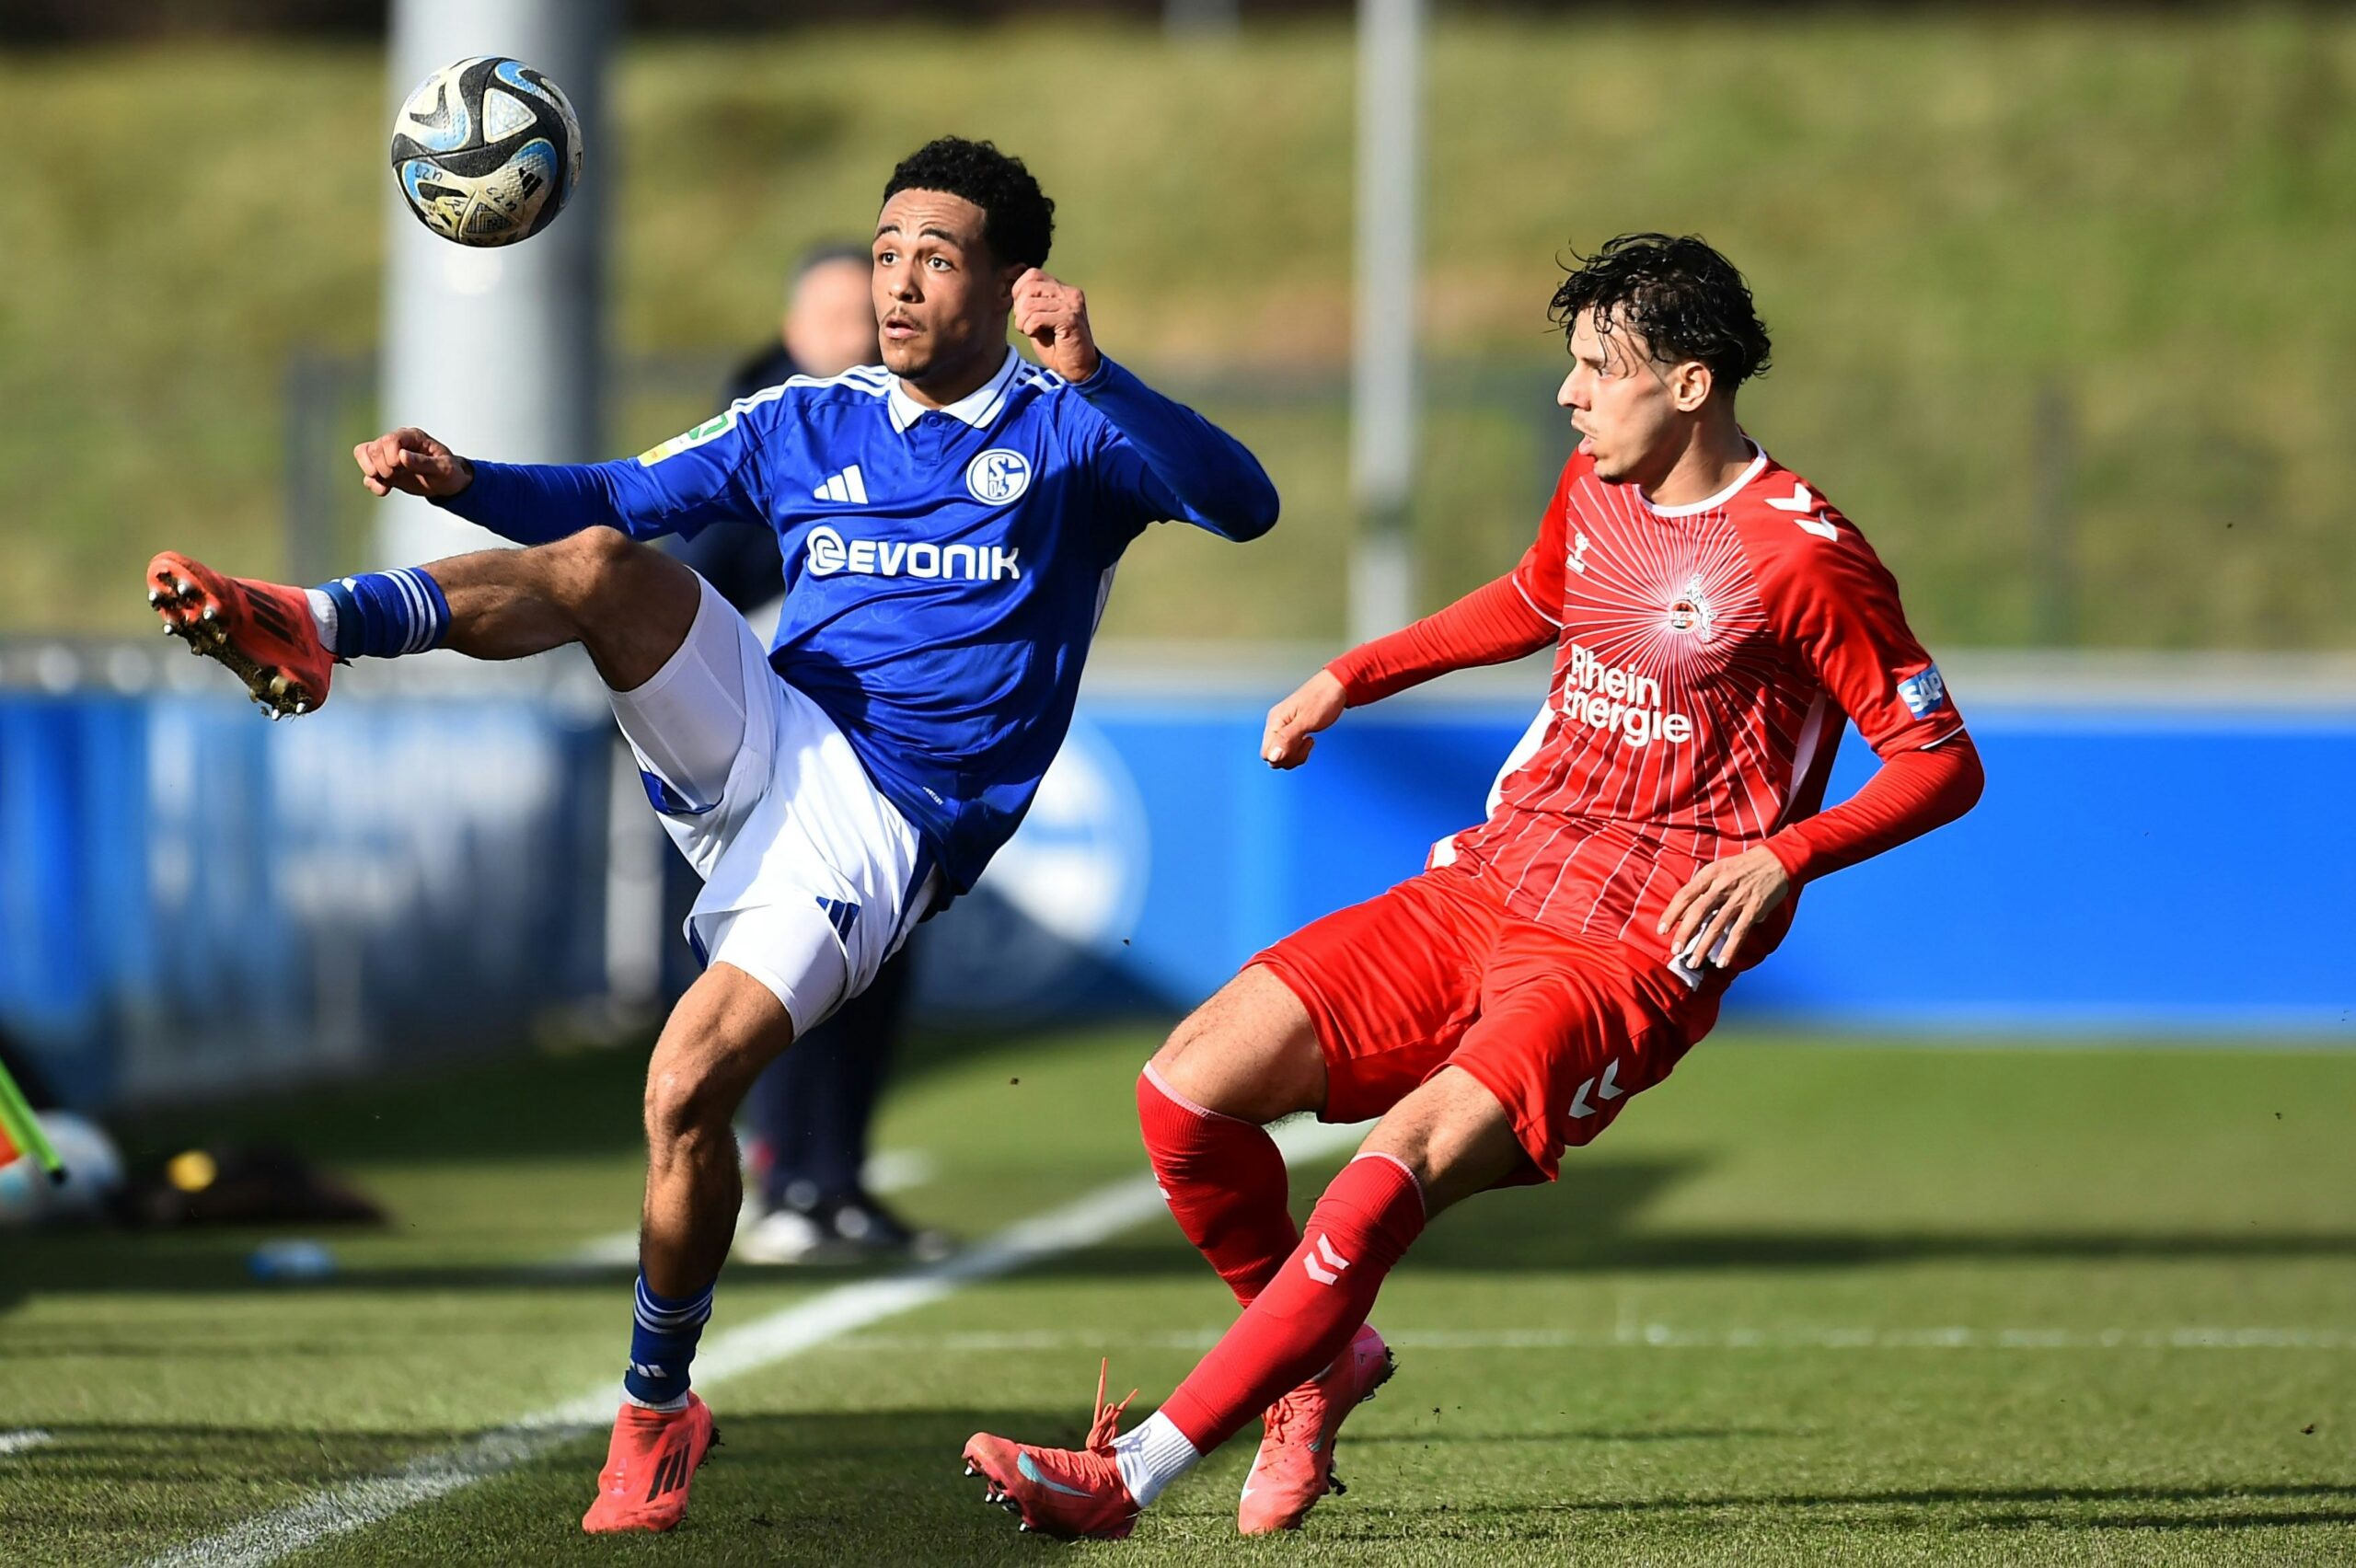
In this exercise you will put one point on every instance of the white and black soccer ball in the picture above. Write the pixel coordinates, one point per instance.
(487, 151)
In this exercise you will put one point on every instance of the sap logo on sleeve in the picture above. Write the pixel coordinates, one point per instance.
(998, 476)
(1924, 694)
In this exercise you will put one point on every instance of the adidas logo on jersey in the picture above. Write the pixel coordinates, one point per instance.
(828, 552)
(845, 486)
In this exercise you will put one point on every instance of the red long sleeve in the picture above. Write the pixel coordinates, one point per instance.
(1488, 626)
(1913, 793)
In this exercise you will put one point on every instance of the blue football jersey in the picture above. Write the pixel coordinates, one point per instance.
(945, 569)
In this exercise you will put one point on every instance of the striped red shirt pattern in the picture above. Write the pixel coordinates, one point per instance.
(1708, 656)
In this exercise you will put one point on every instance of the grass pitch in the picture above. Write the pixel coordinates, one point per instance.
(1803, 1304)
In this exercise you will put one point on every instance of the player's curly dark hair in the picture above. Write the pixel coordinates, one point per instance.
(1018, 220)
(1684, 299)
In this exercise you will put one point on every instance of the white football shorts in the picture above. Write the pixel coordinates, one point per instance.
(811, 878)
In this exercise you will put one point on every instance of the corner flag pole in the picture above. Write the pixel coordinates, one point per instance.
(20, 1131)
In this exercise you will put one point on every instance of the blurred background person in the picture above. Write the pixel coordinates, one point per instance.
(808, 1115)
(826, 327)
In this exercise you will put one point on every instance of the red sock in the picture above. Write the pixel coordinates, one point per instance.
(1225, 1181)
(1362, 1225)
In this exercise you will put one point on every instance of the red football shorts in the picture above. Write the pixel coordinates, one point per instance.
(1564, 1030)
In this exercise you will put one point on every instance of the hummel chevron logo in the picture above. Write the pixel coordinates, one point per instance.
(845, 486)
(1803, 499)
(1332, 1261)
(1606, 1089)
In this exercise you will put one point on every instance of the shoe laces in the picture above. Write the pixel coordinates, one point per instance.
(1107, 1418)
(1294, 1409)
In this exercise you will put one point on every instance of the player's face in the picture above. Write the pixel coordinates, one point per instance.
(1622, 404)
(830, 325)
(940, 301)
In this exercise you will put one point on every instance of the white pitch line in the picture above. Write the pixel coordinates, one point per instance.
(18, 1442)
(1099, 1216)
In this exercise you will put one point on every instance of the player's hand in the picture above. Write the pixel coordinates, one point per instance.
(1293, 723)
(1725, 898)
(1054, 316)
(412, 461)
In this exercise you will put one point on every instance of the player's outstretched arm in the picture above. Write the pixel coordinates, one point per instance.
(1193, 469)
(1489, 626)
(1492, 625)
(710, 474)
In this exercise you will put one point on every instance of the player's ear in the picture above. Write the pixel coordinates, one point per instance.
(1690, 384)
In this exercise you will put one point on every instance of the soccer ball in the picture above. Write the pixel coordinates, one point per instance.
(487, 151)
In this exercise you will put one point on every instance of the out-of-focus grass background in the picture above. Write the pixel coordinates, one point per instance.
(1955, 225)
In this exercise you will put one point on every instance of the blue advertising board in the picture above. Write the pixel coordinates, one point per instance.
(2130, 869)
(191, 899)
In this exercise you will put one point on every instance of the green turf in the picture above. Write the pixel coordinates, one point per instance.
(2146, 212)
(1806, 1303)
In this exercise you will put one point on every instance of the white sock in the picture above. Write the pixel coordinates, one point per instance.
(1152, 1457)
(630, 1399)
(322, 617)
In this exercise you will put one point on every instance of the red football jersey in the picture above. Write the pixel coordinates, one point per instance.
(1709, 654)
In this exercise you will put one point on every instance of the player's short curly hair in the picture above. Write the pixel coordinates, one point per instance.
(1684, 299)
(1018, 220)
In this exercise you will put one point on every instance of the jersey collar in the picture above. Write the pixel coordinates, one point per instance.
(976, 408)
(1711, 504)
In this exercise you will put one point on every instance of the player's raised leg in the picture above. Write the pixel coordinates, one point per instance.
(627, 604)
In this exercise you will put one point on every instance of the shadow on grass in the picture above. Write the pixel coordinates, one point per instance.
(883, 1487)
(214, 1262)
(528, 1106)
(1427, 1437)
(887, 1487)
(1590, 1224)
(2184, 1507)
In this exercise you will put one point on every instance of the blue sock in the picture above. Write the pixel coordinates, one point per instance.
(662, 1343)
(380, 614)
